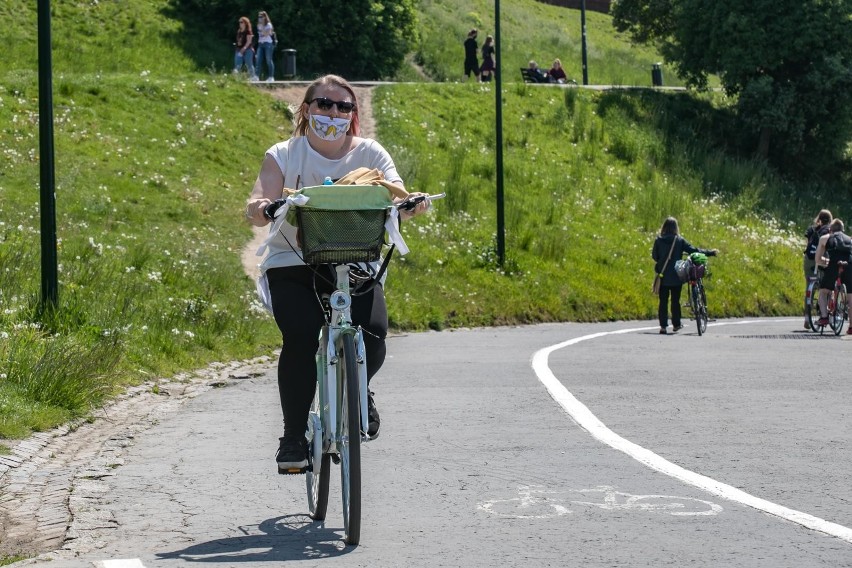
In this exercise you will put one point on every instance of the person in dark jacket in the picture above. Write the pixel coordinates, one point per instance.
(471, 64)
(670, 286)
(819, 228)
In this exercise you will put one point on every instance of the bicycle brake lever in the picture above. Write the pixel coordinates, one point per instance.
(269, 210)
(410, 203)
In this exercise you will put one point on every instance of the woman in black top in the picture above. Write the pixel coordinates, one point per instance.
(489, 65)
(819, 228)
(671, 285)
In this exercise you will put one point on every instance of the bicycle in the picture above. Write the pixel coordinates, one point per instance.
(345, 239)
(692, 270)
(838, 309)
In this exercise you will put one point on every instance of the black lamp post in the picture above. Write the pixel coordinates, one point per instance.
(47, 208)
(585, 55)
(498, 101)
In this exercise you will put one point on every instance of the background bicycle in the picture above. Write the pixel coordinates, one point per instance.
(811, 303)
(838, 307)
(692, 270)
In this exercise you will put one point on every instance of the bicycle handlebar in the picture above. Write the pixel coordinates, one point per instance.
(407, 204)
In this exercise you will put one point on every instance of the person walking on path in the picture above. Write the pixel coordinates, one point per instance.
(670, 246)
(243, 50)
(325, 144)
(265, 46)
(489, 63)
(471, 63)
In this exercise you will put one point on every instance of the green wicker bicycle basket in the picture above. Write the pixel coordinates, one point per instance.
(330, 236)
(346, 223)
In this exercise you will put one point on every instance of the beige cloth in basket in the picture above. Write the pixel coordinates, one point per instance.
(366, 176)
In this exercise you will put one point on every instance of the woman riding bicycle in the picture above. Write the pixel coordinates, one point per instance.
(325, 144)
(834, 247)
(669, 246)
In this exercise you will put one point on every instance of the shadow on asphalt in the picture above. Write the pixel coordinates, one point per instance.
(289, 537)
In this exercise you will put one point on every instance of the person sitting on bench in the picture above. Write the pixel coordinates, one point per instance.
(539, 75)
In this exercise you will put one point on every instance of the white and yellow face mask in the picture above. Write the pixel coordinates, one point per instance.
(328, 128)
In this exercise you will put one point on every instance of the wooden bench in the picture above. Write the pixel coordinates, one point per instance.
(528, 76)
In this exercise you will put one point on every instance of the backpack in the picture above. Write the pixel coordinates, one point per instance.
(813, 241)
(839, 243)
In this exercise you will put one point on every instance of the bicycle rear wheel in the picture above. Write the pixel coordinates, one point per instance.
(838, 315)
(350, 441)
(319, 466)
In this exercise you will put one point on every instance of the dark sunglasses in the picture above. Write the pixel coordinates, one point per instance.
(326, 104)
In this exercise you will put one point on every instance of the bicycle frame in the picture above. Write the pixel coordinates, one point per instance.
(327, 377)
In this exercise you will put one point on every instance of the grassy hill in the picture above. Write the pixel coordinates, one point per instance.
(532, 30)
(156, 152)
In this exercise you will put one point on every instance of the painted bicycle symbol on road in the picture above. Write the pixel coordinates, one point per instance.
(538, 502)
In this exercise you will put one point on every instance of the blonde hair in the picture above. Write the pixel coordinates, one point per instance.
(301, 128)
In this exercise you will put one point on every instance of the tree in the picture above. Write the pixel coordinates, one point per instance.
(358, 39)
(787, 63)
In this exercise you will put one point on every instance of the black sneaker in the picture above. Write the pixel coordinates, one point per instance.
(373, 420)
(292, 454)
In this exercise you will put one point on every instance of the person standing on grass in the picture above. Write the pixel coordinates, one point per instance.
(265, 46)
(820, 227)
(489, 63)
(669, 245)
(243, 50)
(471, 63)
(325, 144)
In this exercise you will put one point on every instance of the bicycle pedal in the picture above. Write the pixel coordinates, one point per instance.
(292, 470)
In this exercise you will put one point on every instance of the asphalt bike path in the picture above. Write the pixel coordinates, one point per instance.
(479, 464)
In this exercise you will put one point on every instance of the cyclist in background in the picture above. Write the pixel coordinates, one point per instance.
(819, 228)
(833, 247)
(325, 143)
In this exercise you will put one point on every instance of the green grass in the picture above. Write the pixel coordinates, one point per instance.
(156, 153)
(589, 178)
(151, 175)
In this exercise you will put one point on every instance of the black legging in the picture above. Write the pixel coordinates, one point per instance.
(299, 317)
(663, 312)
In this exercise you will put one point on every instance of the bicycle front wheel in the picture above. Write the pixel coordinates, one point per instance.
(350, 441)
(838, 315)
(699, 308)
(319, 465)
(812, 305)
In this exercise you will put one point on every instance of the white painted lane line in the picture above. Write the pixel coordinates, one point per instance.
(121, 563)
(589, 422)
